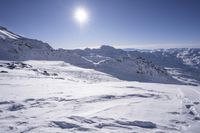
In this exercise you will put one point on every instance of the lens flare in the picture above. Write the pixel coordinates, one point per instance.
(81, 15)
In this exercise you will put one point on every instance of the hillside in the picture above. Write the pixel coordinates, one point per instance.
(54, 96)
(107, 59)
(182, 63)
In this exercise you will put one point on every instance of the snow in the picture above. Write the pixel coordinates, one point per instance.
(74, 99)
(4, 34)
(97, 59)
(185, 61)
(181, 76)
(143, 66)
(96, 90)
(106, 59)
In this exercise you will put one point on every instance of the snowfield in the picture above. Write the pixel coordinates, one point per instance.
(56, 97)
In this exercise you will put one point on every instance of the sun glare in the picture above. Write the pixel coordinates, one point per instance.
(81, 15)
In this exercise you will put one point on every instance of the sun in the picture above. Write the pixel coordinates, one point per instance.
(81, 15)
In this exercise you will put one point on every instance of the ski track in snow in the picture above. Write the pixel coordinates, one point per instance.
(50, 96)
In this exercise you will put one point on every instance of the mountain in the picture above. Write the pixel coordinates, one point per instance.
(182, 63)
(116, 62)
(15, 47)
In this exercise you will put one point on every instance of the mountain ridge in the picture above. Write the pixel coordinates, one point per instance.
(116, 62)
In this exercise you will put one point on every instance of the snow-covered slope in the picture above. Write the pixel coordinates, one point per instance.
(7, 35)
(171, 57)
(105, 59)
(183, 64)
(54, 96)
(15, 47)
(190, 57)
(119, 64)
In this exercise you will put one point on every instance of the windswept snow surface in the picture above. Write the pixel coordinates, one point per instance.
(53, 96)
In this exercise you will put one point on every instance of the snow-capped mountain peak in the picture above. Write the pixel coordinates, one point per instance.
(5, 34)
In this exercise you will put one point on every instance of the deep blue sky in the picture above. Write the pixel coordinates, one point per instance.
(121, 23)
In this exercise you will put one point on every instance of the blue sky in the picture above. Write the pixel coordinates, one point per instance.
(120, 23)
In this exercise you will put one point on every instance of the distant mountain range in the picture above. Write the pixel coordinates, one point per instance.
(162, 65)
(182, 63)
